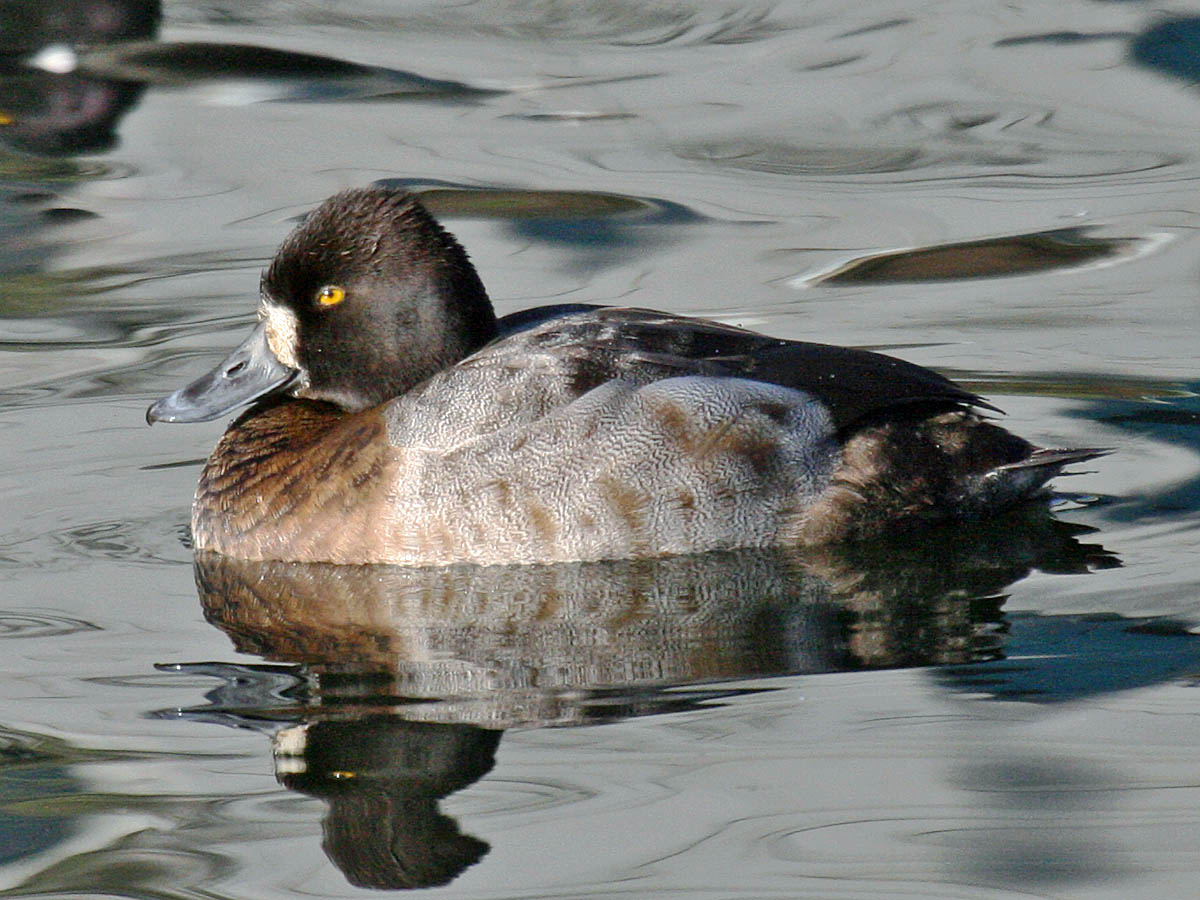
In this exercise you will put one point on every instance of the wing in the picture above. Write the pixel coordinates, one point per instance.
(637, 345)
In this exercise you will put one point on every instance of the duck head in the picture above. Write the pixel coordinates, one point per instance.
(367, 298)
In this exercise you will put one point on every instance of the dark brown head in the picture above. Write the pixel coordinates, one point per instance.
(367, 298)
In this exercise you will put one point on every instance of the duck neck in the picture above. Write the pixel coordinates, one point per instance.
(455, 329)
(471, 324)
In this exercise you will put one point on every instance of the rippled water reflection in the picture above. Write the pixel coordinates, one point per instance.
(1001, 193)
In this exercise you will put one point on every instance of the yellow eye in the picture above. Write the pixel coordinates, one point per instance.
(331, 295)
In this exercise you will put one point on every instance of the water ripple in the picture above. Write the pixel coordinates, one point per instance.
(133, 541)
(498, 796)
(17, 623)
(779, 157)
(163, 539)
(630, 24)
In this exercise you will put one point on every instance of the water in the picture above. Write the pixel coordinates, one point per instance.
(1004, 194)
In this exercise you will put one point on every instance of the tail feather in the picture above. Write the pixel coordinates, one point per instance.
(1054, 458)
(1013, 482)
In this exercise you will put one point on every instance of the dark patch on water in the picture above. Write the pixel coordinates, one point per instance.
(1021, 254)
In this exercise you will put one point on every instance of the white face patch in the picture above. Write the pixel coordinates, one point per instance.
(283, 333)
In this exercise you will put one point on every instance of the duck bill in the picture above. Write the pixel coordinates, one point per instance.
(248, 373)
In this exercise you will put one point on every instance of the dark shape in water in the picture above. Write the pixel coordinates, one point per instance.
(1171, 47)
(311, 77)
(601, 226)
(51, 114)
(382, 778)
(44, 114)
(36, 772)
(512, 204)
(28, 25)
(1166, 413)
(1019, 254)
(1061, 37)
(1066, 658)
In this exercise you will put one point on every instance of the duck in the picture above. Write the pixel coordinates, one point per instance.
(395, 419)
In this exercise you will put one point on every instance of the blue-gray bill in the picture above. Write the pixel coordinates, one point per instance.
(251, 371)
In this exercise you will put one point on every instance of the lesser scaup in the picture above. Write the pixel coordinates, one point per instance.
(398, 421)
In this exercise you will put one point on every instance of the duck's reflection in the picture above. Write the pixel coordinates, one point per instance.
(382, 778)
(47, 108)
(405, 678)
(71, 69)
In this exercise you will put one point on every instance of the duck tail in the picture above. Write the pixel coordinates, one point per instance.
(1052, 459)
(1012, 482)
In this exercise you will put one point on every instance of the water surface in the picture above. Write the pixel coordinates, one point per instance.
(1005, 196)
